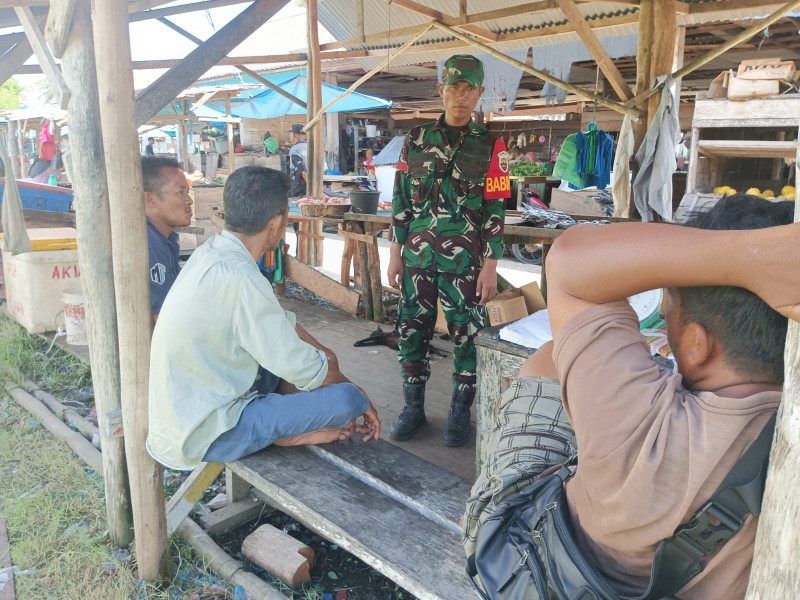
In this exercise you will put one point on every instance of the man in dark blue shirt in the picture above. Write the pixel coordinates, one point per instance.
(167, 206)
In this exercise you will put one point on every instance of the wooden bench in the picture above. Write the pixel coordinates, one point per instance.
(393, 510)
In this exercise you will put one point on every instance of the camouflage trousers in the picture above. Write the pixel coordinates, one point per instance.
(464, 316)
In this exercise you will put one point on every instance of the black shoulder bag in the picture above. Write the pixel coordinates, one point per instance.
(526, 550)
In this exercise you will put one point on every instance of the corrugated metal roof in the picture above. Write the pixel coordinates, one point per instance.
(338, 16)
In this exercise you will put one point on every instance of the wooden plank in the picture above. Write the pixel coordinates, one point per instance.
(190, 492)
(7, 592)
(419, 554)
(236, 488)
(601, 57)
(755, 112)
(399, 474)
(360, 21)
(190, 68)
(361, 237)
(139, 14)
(233, 516)
(747, 148)
(59, 23)
(43, 54)
(322, 285)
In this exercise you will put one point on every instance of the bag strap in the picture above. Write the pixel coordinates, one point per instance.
(677, 559)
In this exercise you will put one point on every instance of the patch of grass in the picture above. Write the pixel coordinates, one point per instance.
(54, 505)
(25, 356)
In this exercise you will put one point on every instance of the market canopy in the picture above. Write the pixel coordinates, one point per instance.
(269, 104)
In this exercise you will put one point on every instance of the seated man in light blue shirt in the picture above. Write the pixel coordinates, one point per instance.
(230, 371)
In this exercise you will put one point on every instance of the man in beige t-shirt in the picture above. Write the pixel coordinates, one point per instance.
(654, 446)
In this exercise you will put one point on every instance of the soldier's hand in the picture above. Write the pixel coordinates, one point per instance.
(486, 287)
(395, 271)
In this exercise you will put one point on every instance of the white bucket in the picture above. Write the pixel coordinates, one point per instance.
(75, 318)
(372, 131)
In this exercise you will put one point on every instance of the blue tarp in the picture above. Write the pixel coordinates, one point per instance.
(269, 105)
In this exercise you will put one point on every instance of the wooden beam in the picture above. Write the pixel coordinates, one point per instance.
(203, 99)
(595, 48)
(59, 22)
(239, 60)
(271, 86)
(22, 3)
(138, 14)
(492, 15)
(322, 285)
(725, 6)
(129, 255)
(190, 493)
(316, 145)
(436, 15)
(14, 59)
(743, 36)
(615, 106)
(420, 32)
(664, 33)
(462, 11)
(229, 130)
(189, 69)
(360, 21)
(46, 60)
(181, 31)
(93, 222)
(774, 571)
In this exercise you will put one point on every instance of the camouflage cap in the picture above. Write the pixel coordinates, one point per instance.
(462, 66)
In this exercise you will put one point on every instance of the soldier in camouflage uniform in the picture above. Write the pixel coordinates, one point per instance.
(447, 219)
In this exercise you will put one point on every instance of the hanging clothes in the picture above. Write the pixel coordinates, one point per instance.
(652, 188)
(595, 153)
(565, 167)
(47, 146)
(621, 184)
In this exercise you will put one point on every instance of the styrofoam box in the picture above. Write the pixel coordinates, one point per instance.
(35, 282)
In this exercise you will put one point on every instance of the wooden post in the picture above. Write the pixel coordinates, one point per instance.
(366, 275)
(229, 128)
(316, 140)
(374, 262)
(694, 158)
(129, 235)
(774, 571)
(643, 81)
(93, 221)
(13, 149)
(183, 146)
(332, 131)
(24, 163)
(664, 34)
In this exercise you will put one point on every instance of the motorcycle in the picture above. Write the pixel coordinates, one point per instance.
(529, 254)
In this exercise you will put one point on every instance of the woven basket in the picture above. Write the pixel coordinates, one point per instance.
(323, 210)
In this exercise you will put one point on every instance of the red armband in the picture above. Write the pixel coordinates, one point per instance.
(498, 182)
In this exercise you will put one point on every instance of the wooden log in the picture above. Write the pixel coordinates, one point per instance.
(774, 570)
(200, 60)
(7, 592)
(374, 265)
(347, 258)
(63, 412)
(280, 555)
(88, 453)
(366, 280)
(190, 492)
(664, 34)
(134, 318)
(225, 566)
(229, 129)
(233, 516)
(93, 222)
(59, 24)
(321, 284)
(316, 142)
(315, 244)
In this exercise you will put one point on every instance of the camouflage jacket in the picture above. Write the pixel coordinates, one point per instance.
(438, 212)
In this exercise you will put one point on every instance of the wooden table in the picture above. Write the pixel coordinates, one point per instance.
(498, 363)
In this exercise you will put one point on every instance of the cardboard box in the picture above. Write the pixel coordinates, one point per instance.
(728, 85)
(576, 203)
(534, 301)
(507, 307)
(766, 68)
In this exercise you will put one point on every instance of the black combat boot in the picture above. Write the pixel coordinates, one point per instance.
(456, 432)
(413, 414)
